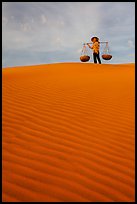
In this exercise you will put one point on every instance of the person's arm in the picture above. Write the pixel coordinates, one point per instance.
(91, 47)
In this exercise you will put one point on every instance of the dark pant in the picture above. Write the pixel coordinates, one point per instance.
(96, 57)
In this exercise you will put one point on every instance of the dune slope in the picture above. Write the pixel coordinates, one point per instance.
(68, 133)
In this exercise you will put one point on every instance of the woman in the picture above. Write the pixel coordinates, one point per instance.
(95, 47)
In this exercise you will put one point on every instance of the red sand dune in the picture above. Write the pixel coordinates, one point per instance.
(68, 133)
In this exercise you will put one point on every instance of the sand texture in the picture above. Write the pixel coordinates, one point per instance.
(68, 132)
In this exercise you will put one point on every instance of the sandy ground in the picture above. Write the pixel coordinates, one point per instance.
(68, 132)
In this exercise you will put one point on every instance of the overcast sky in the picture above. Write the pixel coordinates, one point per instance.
(50, 32)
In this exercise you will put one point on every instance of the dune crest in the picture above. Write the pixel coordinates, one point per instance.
(68, 133)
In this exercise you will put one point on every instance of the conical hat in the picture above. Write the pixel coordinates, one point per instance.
(95, 37)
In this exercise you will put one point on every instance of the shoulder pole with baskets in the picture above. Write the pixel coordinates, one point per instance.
(105, 55)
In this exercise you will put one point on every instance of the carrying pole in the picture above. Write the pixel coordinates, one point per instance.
(92, 43)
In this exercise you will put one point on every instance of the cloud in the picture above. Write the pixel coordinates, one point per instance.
(4, 20)
(34, 28)
(131, 44)
(25, 27)
(43, 19)
(79, 50)
(132, 55)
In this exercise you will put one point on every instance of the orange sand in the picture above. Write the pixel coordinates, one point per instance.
(68, 133)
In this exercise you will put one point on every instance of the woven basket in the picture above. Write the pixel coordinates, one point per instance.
(106, 57)
(84, 58)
